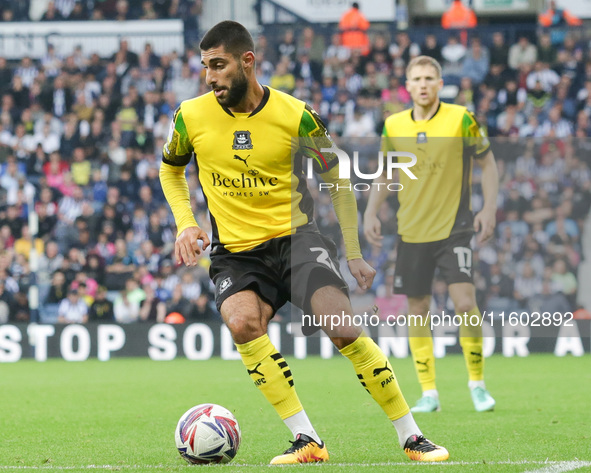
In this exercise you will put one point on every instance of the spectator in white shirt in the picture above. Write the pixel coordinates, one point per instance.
(555, 126)
(453, 54)
(360, 125)
(126, 310)
(49, 141)
(544, 75)
(72, 309)
(522, 52)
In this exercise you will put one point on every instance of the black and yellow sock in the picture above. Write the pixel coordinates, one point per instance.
(471, 343)
(271, 375)
(376, 376)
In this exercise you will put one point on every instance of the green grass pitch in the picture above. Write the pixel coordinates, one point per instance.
(120, 415)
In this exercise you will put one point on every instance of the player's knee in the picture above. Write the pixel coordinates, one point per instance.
(465, 305)
(244, 328)
(419, 307)
(342, 342)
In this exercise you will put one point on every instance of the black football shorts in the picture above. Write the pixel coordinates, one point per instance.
(289, 268)
(416, 264)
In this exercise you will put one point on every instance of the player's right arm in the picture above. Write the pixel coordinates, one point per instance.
(372, 227)
(176, 154)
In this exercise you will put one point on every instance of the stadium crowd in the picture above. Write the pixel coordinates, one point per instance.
(81, 139)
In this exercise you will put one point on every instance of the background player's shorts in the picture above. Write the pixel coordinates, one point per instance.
(416, 263)
(289, 268)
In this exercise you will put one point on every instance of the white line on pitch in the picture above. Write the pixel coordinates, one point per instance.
(550, 466)
(561, 467)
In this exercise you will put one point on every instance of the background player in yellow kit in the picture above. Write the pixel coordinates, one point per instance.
(435, 221)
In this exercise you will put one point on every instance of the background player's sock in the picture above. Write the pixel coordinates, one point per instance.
(376, 376)
(405, 427)
(431, 393)
(271, 375)
(471, 342)
(421, 349)
(300, 424)
(476, 384)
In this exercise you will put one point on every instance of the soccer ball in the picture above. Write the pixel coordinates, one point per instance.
(207, 433)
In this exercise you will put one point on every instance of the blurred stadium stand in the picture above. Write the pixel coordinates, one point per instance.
(83, 120)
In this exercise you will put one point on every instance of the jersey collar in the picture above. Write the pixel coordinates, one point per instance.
(260, 106)
(412, 113)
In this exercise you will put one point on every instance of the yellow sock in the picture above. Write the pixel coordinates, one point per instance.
(271, 375)
(376, 376)
(424, 361)
(471, 343)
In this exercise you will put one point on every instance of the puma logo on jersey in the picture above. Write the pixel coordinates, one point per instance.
(377, 371)
(242, 159)
(255, 370)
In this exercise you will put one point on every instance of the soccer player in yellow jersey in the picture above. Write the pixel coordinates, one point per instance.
(435, 221)
(266, 248)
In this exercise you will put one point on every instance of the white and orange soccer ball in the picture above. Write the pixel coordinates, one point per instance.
(208, 433)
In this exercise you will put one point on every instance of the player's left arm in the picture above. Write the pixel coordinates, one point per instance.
(341, 194)
(485, 220)
(476, 138)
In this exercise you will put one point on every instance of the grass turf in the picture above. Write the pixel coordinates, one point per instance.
(121, 415)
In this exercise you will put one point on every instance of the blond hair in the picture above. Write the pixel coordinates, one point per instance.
(423, 61)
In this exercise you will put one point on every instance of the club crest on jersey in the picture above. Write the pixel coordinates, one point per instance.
(421, 137)
(242, 140)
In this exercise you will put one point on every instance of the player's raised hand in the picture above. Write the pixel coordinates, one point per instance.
(186, 246)
(484, 222)
(362, 272)
(372, 229)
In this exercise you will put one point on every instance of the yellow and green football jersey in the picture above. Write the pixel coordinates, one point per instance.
(253, 189)
(437, 203)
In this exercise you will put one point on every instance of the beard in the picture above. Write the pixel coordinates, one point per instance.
(236, 91)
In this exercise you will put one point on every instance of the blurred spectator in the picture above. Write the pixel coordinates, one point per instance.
(555, 126)
(52, 13)
(186, 86)
(547, 52)
(544, 75)
(360, 125)
(287, 48)
(20, 311)
(476, 62)
(404, 49)
(522, 52)
(432, 48)
(548, 301)
(126, 310)
(178, 302)
(72, 309)
(555, 16)
(311, 45)
(283, 79)
(101, 309)
(152, 308)
(353, 27)
(453, 54)
(459, 16)
(499, 51)
(27, 71)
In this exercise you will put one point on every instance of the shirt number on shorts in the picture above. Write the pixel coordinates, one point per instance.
(324, 258)
(464, 256)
